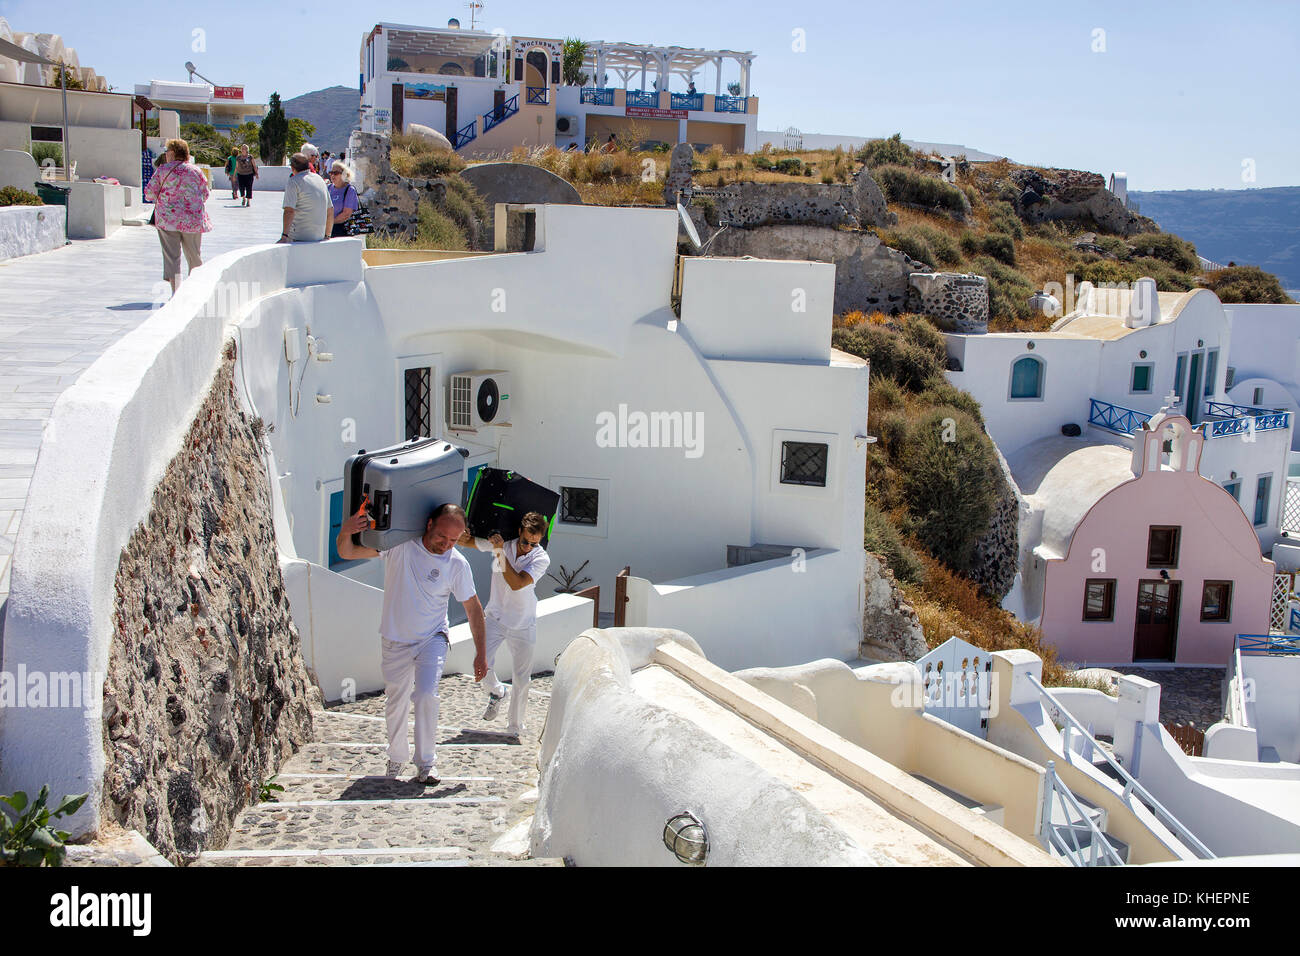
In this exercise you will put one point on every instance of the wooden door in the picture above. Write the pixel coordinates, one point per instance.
(399, 103)
(1156, 630)
(452, 120)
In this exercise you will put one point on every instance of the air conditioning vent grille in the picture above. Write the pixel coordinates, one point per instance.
(461, 407)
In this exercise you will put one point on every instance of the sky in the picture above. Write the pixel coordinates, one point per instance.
(1180, 95)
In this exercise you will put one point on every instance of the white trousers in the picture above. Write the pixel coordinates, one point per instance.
(522, 641)
(411, 675)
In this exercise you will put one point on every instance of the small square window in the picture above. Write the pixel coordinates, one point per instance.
(1141, 379)
(1099, 599)
(1162, 547)
(579, 505)
(1216, 601)
(1258, 397)
(803, 463)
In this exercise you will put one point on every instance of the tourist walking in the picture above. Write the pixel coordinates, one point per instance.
(245, 172)
(146, 161)
(179, 191)
(308, 214)
(231, 161)
(420, 577)
(343, 198)
(511, 615)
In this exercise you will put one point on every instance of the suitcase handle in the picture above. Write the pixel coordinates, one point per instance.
(365, 501)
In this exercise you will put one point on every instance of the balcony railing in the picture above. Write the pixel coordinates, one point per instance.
(1254, 644)
(687, 101)
(597, 95)
(1115, 418)
(539, 95)
(1246, 424)
(499, 114)
(1228, 410)
(650, 100)
(730, 104)
(465, 134)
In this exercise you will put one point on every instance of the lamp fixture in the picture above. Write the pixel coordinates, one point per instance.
(684, 834)
(1164, 574)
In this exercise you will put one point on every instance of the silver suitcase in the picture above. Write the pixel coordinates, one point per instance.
(401, 485)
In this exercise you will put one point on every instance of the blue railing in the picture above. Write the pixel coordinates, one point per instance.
(597, 95)
(1226, 427)
(538, 94)
(1115, 418)
(1228, 410)
(465, 134)
(687, 101)
(1267, 644)
(499, 114)
(650, 100)
(730, 104)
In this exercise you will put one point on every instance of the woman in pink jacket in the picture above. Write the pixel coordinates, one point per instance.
(179, 191)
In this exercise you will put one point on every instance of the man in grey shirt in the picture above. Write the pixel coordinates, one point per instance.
(308, 212)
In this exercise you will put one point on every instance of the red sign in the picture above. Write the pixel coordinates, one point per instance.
(228, 92)
(654, 113)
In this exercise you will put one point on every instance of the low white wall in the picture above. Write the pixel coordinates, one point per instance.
(108, 442)
(269, 178)
(25, 230)
(1092, 708)
(1224, 741)
(1275, 713)
(616, 767)
(732, 615)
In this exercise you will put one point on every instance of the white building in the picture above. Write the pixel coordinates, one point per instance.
(489, 92)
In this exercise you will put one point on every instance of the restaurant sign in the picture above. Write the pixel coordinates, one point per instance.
(651, 112)
(227, 92)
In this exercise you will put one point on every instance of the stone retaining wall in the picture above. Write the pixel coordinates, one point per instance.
(890, 628)
(25, 230)
(206, 692)
(957, 302)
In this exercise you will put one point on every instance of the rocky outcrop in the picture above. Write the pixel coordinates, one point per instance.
(890, 628)
(1073, 194)
(997, 553)
(869, 275)
(206, 691)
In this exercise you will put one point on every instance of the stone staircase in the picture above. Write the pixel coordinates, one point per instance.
(337, 808)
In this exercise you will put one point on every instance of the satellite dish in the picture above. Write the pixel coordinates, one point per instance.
(689, 226)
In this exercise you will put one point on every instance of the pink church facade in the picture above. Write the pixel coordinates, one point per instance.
(1163, 567)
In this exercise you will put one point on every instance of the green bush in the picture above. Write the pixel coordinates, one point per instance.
(762, 162)
(1246, 284)
(951, 482)
(943, 392)
(1000, 246)
(1003, 218)
(881, 537)
(883, 152)
(892, 432)
(1009, 289)
(789, 166)
(926, 244)
(436, 230)
(892, 355)
(26, 837)
(1168, 248)
(13, 196)
(51, 151)
(1114, 246)
(1098, 271)
(432, 163)
(918, 189)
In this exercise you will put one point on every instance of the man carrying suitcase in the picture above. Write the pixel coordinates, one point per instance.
(512, 612)
(420, 576)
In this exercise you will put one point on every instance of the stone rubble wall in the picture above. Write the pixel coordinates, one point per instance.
(997, 553)
(957, 302)
(207, 692)
(1073, 194)
(890, 628)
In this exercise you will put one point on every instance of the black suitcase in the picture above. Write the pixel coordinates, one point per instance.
(402, 484)
(500, 499)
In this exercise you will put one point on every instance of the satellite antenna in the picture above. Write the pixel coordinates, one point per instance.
(689, 226)
(474, 7)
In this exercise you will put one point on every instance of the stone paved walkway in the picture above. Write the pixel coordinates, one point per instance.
(60, 310)
(1188, 695)
(337, 808)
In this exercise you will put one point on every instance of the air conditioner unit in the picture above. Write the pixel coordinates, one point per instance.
(566, 126)
(479, 398)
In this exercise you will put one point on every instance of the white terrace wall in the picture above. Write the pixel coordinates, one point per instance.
(107, 444)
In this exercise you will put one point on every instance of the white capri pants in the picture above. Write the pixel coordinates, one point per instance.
(522, 642)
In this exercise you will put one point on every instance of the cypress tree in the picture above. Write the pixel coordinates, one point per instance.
(274, 133)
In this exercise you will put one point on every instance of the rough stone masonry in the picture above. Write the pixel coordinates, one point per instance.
(206, 690)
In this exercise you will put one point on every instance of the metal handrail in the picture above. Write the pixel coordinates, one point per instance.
(1131, 786)
(1237, 693)
(1231, 410)
(1050, 835)
(722, 103)
(597, 95)
(465, 134)
(642, 99)
(1243, 425)
(1115, 418)
(499, 114)
(539, 94)
(1267, 644)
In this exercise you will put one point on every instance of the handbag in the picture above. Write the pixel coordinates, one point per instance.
(359, 223)
(153, 215)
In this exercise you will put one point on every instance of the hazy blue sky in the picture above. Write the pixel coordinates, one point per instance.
(1182, 95)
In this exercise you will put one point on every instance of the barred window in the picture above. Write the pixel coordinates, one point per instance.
(803, 463)
(418, 423)
(579, 505)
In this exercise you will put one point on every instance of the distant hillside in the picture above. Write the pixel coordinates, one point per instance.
(1258, 227)
(333, 112)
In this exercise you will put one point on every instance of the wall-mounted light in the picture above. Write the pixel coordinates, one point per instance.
(1200, 343)
(684, 835)
(1142, 354)
(1030, 346)
(1164, 574)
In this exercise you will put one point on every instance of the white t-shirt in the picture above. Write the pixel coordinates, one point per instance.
(515, 608)
(305, 194)
(417, 587)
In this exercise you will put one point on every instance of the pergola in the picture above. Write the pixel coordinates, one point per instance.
(627, 59)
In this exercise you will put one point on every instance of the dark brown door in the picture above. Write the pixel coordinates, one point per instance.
(451, 114)
(399, 102)
(1155, 633)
